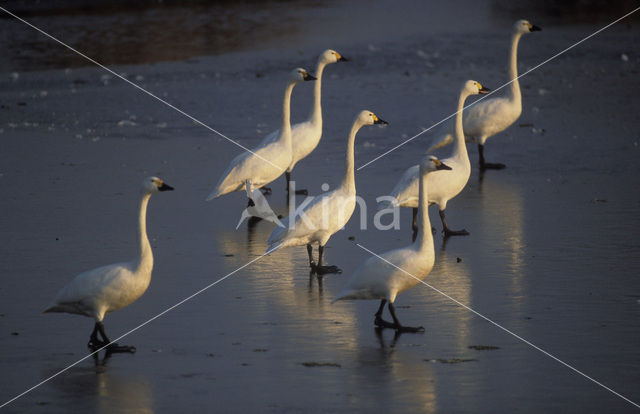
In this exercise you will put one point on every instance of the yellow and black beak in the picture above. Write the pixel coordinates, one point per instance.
(380, 121)
(441, 165)
(484, 90)
(534, 28)
(165, 187)
(342, 59)
(308, 77)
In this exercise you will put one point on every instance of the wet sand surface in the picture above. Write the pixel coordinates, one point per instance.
(553, 255)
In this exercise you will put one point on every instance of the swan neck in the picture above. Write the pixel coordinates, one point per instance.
(316, 110)
(145, 258)
(424, 240)
(460, 147)
(285, 127)
(349, 180)
(514, 86)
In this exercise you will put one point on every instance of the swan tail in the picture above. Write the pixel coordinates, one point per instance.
(214, 194)
(346, 295)
(440, 142)
(273, 247)
(54, 308)
(388, 204)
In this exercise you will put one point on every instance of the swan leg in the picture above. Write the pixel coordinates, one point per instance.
(447, 231)
(487, 165)
(398, 326)
(312, 264)
(95, 343)
(287, 175)
(320, 269)
(378, 321)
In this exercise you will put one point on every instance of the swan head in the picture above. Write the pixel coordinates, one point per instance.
(431, 163)
(523, 26)
(474, 88)
(331, 56)
(369, 118)
(152, 185)
(300, 75)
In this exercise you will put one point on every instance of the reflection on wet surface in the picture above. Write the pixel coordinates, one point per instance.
(553, 252)
(102, 389)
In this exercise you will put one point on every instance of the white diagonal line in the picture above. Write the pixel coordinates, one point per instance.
(138, 327)
(501, 327)
(135, 85)
(497, 89)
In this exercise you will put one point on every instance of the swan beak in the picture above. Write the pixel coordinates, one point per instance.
(342, 59)
(380, 121)
(441, 165)
(535, 28)
(484, 90)
(165, 187)
(308, 77)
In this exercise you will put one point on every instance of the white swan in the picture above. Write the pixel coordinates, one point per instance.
(305, 136)
(376, 278)
(253, 170)
(109, 288)
(492, 116)
(443, 185)
(322, 216)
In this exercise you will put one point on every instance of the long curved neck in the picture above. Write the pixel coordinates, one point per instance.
(460, 148)
(285, 126)
(145, 258)
(349, 180)
(315, 116)
(424, 241)
(514, 87)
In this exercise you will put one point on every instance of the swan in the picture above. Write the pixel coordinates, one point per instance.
(443, 185)
(265, 163)
(492, 116)
(322, 216)
(305, 136)
(376, 278)
(109, 288)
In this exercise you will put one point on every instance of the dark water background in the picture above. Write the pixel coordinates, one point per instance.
(553, 256)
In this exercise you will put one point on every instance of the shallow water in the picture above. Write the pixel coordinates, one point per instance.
(553, 254)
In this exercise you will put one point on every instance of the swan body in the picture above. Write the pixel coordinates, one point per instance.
(305, 136)
(266, 162)
(327, 213)
(444, 184)
(383, 277)
(492, 116)
(97, 292)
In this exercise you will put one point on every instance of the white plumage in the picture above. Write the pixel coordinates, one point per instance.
(108, 288)
(327, 213)
(492, 115)
(443, 185)
(266, 162)
(397, 270)
(305, 136)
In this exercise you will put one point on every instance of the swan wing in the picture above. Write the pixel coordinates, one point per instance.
(253, 167)
(98, 290)
(305, 137)
(490, 117)
(377, 278)
(321, 217)
(405, 192)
